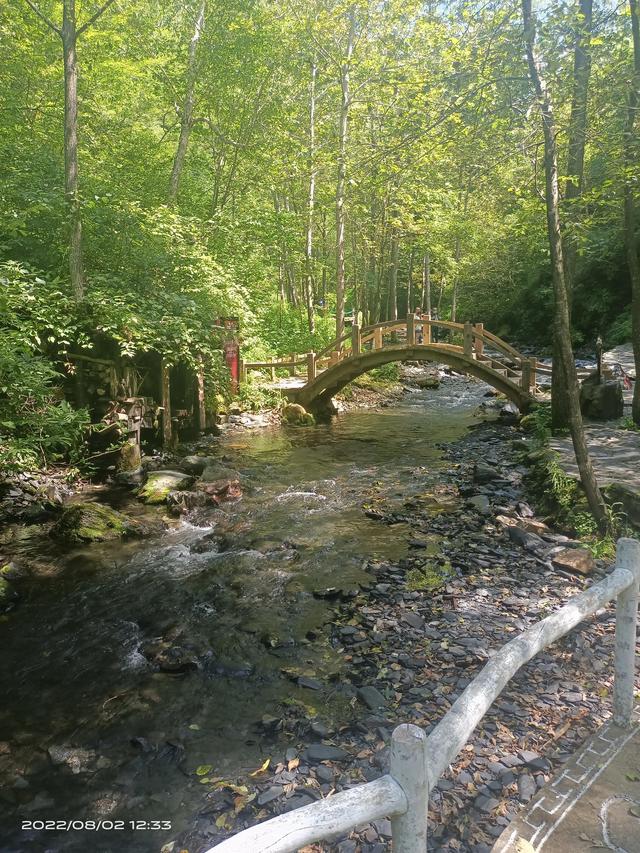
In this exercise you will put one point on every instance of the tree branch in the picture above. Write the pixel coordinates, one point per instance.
(44, 18)
(94, 17)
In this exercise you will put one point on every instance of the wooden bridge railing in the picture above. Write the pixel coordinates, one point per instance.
(477, 343)
(418, 761)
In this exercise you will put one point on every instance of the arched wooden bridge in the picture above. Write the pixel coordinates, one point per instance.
(480, 354)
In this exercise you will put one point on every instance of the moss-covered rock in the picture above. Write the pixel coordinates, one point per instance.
(160, 483)
(93, 522)
(294, 413)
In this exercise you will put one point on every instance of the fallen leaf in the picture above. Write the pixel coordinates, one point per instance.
(293, 764)
(262, 768)
(203, 769)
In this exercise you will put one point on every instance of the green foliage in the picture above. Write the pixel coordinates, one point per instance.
(619, 332)
(36, 426)
(255, 397)
(430, 576)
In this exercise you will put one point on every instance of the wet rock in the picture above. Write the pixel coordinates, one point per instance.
(309, 683)
(8, 594)
(196, 465)
(77, 760)
(213, 543)
(528, 541)
(484, 473)
(183, 502)
(317, 752)
(93, 522)
(371, 697)
(160, 483)
(481, 504)
(577, 560)
(294, 413)
(215, 472)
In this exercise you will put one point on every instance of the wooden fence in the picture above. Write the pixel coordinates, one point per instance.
(418, 761)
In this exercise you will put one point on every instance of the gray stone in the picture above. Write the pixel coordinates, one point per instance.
(526, 787)
(160, 483)
(484, 473)
(480, 503)
(269, 795)
(316, 752)
(602, 401)
(371, 697)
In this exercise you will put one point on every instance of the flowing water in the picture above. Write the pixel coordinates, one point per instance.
(91, 729)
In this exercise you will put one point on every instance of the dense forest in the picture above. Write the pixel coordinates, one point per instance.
(294, 163)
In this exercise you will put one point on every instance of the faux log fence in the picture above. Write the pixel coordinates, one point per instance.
(417, 761)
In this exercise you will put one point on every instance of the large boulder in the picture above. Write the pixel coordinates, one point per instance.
(576, 560)
(601, 400)
(93, 522)
(214, 472)
(294, 413)
(625, 498)
(160, 483)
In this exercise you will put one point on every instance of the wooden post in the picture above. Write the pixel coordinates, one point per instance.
(334, 357)
(426, 328)
(356, 339)
(411, 329)
(627, 557)
(311, 366)
(292, 369)
(408, 768)
(377, 338)
(534, 366)
(167, 432)
(272, 370)
(202, 411)
(479, 342)
(525, 378)
(467, 337)
(242, 371)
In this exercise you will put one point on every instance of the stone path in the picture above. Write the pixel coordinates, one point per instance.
(593, 802)
(615, 454)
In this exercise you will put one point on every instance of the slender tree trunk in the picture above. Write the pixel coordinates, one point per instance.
(69, 41)
(393, 278)
(632, 240)
(573, 189)
(308, 253)
(345, 104)
(186, 120)
(561, 300)
(425, 302)
(410, 305)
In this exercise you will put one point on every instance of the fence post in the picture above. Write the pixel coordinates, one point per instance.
(311, 366)
(292, 369)
(409, 769)
(525, 378)
(242, 367)
(426, 328)
(356, 339)
(377, 338)
(534, 364)
(627, 557)
(479, 342)
(468, 339)
(411, 329)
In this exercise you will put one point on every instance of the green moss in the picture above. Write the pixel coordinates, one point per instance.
(429, 577)
(160, 483)
(92, 522)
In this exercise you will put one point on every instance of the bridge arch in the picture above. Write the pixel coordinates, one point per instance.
(317, 394)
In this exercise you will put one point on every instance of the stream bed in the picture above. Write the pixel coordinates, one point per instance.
(144, 674)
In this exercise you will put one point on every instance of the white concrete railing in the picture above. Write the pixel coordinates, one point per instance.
(418, 761)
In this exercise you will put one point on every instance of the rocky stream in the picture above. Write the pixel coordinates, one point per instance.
(253, 652)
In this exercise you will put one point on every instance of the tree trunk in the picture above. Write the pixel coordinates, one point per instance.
(573, 189)
(561, 300)
(345, 104)
(632, 242)
(186, 120)
(425, 302)
(69, 41)
(393, 278)
(410, 305)
(308, 253)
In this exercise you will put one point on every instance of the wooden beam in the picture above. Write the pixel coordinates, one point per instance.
(479, 342)
(411, 329)
(426, 329)
(311, 366)
(467, 336)
(356, 339)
